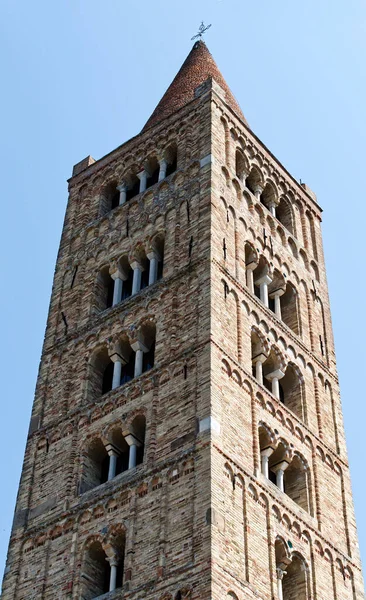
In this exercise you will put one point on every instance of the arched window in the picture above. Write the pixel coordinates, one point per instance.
(109, 198)
(138, 430)
(152, 169)
(262, 279)
(290, 475)
(95, 466)
(297, 483)
(100, 374)
(96, 572)
(133, 187)
(284, 214)
(269, 198)
(292, 574)
(254, 181)
(156, 258)
(250, 265)
(171, 159)
(291, 391)
(104, 290)
(290, 309)
(101, 573)
(144, 347)
(240, 165)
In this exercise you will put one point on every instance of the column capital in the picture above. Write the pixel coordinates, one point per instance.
(267, 451)
(153, 254)
(136, 265)
(122, 187)
(258, 189)
(278, 292)
(264, 279)
(251, 266)
(163, 162)
(113, 561)
(281, 466)
(112, 450)
(261, 357)
(139, 345)
(278, 374)
(116, 273)
(132, 440)
(141, 174)
(115, 357)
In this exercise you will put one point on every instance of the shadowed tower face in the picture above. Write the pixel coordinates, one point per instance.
(186, 439)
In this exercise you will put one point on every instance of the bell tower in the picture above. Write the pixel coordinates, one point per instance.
(186, 439)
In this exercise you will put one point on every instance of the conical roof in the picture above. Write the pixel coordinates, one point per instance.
(197, 68)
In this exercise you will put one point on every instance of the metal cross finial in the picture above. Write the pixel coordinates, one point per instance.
(202, 29)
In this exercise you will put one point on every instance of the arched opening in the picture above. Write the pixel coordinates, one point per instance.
(292, 573)
(100, 373)
(269, 198)
(96, 572)
(290, 309)
(254, 181)
(240, 165)
(258, 356)
(104, 290)
(156, 258)
(297, 484)
(250, 258)
(291, 391)
(107, 378)
(119, 547)
(109, 198)
(95, 467)
(171, 158)
(285, 215)
(119, 450)
(138, 430)
(128, 363)
(127, 273)
(147, 336)
(152, 169)
(262, 280)
(133, 187)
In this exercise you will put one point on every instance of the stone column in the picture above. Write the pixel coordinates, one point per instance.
(280, 469)
(258, 191)
(263, 283)
(277, 302)
(122, 188)
(272, 208)
(143, 180)
(139, 349)
(136, 282)
(280, 574)
(117, 369)
(265, 454)
(113, 454)
(163, 167)
(113, 577)
(133, 443)
(275, 376)
(258, 363)
(153, 271)
(118, 278)
(249, 276)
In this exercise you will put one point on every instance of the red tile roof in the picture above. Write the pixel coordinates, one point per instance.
(197, 68)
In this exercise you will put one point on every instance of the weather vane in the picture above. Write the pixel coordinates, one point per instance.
(202, 29)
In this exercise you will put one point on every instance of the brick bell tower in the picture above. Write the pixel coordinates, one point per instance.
(186, 439)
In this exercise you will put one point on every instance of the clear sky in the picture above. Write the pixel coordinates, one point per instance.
(80, 77)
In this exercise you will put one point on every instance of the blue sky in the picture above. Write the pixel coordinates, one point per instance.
(81, 77)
